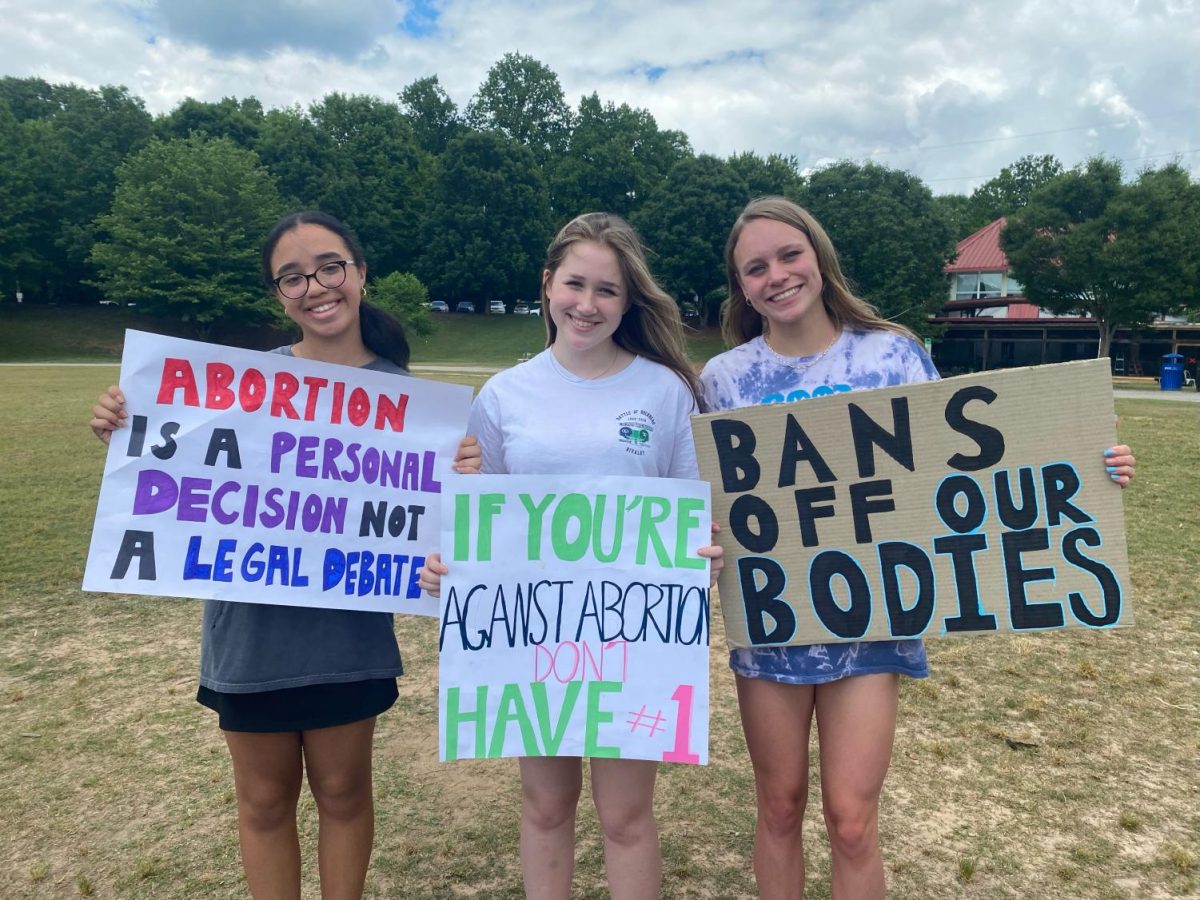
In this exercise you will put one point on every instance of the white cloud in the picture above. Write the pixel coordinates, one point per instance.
(893, 81)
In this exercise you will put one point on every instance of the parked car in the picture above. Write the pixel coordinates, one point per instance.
(535, 310)
(496, 308)
(520, 309)
(464, 306)
(439, 306)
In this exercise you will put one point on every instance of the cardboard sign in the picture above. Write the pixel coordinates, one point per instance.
(267, 479)
(967, 506)
(575, 621)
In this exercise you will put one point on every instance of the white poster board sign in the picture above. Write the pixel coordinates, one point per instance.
(263, 478)
(575, 619)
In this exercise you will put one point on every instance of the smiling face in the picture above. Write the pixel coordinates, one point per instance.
(779, 274)
(586, 297)
(322, 313)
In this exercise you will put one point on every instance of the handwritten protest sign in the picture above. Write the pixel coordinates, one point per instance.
(967, 506)
(575, 620)
(263, 478)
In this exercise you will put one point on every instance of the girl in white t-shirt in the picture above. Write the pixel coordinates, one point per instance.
(611, 395)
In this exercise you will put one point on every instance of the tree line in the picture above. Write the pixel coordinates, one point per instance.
(101, 200)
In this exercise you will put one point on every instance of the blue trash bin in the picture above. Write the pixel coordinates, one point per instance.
(1170, 376)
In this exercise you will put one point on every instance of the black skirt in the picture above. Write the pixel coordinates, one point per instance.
(302, 708)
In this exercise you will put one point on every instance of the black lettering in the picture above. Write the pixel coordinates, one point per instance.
(224, 440)
(757, 540)
(961, 548)
(863, 503)
(1024, 614)
(735, 453)
(808, 512)
(138, 544)
(852, 622)
(869, 434)
(947, 493)
(763, 600)
(798, 448)
(167, 448)
(989, 439)
(137, 436)
(1110, 587)
(1060, 482)
(912, 621)
(1014, 517)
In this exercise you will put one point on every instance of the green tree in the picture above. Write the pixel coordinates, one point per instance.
(685, 224)
(486, 235)
(73, 140)
(776, 175)
(959, 214)
(375, 176)
(522, 98)
(238, 120)
(403, 295)
(302, 158)
(1088, 244)
(18, 205)
(1010, 191)
(892, 241)
(616, 158)
(182, 240)
(433, 115)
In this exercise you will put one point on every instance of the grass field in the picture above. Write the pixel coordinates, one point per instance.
(1048, 766)
(87, 334)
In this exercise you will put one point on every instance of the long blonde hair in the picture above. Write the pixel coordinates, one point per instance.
(739, 320)
(651, 326)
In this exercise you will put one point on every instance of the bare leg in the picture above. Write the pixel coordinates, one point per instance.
(339, 775)
(624, 793)
(550, 788)
(267, 771)
(777, 719)
(856, 724)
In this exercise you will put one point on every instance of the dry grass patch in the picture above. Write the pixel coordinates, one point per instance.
(1056, 765)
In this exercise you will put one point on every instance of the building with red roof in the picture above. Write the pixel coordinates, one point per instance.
(988, 323)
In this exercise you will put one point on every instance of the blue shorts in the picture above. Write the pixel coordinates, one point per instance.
(822, 663)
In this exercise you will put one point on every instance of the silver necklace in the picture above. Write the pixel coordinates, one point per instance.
(804, 366)
(598, 376)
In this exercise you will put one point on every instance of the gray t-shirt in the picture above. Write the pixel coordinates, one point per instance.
(249, 647)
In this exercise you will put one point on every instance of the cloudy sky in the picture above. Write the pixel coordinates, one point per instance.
(951, 90)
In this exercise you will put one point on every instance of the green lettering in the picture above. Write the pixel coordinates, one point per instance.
(455, 717)
(535, 523)
(686, 519)
(541, 708)
(489, 508)
(654, 511)
(577, 506)
(462, 526)
(512, 708)
(596, 718)
(598, 531)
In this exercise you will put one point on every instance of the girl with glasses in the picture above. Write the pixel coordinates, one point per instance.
(297, 689)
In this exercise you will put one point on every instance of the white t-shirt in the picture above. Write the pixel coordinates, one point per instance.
(538, 419)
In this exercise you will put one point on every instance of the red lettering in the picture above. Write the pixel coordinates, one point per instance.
(339, 392)
(314, 386)
(252, 391)
(177, 374)
(286, 387)
(391, 413)
(219, 377)
(360, 406)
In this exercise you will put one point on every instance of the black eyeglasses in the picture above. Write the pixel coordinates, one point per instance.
(332, 274)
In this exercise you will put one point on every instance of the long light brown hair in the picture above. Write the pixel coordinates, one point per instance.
(739, 320)
(651, 326)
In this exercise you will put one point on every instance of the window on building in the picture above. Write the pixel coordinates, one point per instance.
(974, 285)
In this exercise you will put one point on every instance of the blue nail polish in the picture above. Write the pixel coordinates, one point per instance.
(1110, 469)
(1110, 452)
(1115, 477)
